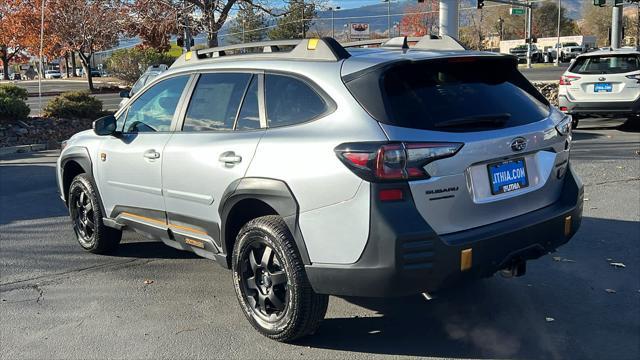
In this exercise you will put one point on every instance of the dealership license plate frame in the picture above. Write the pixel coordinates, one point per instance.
(491, 169)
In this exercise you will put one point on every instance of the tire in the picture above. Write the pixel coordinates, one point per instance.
(86, 214)
(574, 122)
(271, 284)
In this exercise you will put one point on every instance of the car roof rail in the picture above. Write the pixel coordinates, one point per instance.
(324, 49)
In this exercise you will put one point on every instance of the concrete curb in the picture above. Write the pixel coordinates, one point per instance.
(22, 149)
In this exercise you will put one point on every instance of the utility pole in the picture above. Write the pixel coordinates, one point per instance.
(333, 29)
(529, 35)
(187, 30)
(304, 31)
(616, 27)
(388, 17)
(449, 18)
(557, 62)
(243, 31)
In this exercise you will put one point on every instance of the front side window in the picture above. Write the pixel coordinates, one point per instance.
(154, 109)
(291, 101)
(215, 102)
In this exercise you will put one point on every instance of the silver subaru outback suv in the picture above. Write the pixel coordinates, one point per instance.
(311, 169)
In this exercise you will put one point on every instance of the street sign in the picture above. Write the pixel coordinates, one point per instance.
(516, 11)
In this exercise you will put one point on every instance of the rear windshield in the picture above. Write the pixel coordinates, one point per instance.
(606, 64)
(456, 94)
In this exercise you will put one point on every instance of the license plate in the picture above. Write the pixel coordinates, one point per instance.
(603, 87)
(507, 176)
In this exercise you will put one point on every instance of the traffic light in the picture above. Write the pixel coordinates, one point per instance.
(480, 4)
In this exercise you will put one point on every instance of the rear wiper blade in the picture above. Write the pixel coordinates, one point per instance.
(480, 120)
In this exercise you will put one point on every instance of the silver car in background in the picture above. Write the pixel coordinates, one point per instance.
(149, 74)
(311, 168)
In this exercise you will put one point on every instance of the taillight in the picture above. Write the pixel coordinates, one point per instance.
(383, 162)
(634, 77)
(567, 79)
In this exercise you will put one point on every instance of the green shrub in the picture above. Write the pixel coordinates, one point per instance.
(12, 108)
(129, 64)
(12, 103)
(74, 105)
(13, 91)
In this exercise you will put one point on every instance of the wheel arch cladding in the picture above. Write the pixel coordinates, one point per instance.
(75, 161)
(249, 198)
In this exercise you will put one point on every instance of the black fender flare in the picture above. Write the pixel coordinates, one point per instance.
(79, 155)
(273, 192)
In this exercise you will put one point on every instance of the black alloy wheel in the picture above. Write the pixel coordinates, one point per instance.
(271, 283)
(264, 280)
(86, 215)
(82, 214)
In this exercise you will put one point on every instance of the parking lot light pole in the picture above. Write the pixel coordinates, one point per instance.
(388, 17)
(333, 29)
(529, 35)
(557, 62)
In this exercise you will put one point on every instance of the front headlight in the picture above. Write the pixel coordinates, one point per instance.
(564, 126)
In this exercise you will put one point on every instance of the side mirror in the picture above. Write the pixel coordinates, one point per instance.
(125, 94)
(105, 126)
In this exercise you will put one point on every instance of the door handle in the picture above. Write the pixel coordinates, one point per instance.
(151, 154)
(230, 158)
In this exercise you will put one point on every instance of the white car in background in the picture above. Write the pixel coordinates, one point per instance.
(52, 74)
(602, 83)
(151, 72)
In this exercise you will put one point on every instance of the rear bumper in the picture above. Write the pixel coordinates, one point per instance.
(599, 108)
(405, 256)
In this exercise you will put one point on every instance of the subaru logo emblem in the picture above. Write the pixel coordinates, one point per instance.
(602, 78)
(518, 144)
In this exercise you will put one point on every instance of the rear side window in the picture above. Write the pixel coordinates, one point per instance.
(215, 102)
(291, 101)
(456, 94)
(249, 117)
(608, 64)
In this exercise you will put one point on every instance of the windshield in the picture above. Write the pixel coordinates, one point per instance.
(520, 47)
(606, 64)
(570, 44)
(428, 94)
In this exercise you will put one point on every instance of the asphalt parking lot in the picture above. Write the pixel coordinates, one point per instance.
(150, 301)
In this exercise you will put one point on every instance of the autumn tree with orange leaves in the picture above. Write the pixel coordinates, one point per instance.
(19, 31)
(86, 27)
(152, 21)
(421, 19)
